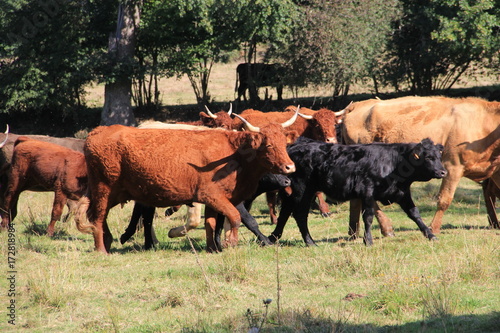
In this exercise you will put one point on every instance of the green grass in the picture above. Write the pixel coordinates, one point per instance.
(404, 284)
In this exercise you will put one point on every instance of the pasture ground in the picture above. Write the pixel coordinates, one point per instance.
(401, 284)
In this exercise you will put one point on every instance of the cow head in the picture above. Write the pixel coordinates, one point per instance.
(427, 156)
(220, 119)
(323, 125)
(269, 144)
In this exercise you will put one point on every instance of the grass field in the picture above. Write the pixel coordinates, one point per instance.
(401, 284)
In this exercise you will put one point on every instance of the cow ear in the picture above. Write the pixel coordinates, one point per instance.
(204, 117)
(291, 136)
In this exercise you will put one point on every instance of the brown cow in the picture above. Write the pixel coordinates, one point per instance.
(7, 150)
(44, 166)
(221, 119)
(162, 167)
(469, 129)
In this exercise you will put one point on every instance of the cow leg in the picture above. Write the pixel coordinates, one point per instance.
(354, 213)
(99, 207)
(383, 221)
(490, 198)
(12, 192)
(232, 214)
(192, 222)
(148, 214)
(57, 208)
(279, 91)
(368, 213)
(446, 193)
(411, 210)
(271, 203)
(248, 220)
(134, 221)
(285, 212)
(323, 206)
(210, 230)
(9, 213)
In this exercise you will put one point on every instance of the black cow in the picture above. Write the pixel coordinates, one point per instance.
(268, 182)
(250, 76)
(371, 172)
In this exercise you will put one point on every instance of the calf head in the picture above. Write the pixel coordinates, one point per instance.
(271, 182)
(221, 119)
(427, 156)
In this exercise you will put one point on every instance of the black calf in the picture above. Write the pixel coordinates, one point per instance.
(371, 172)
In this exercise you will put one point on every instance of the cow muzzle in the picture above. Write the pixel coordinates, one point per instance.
(331, 140)
(289, 168)
(441, 174)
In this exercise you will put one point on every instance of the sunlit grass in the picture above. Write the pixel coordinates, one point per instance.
(403, 284)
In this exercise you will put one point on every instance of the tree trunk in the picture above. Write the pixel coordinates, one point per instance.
(117, 107)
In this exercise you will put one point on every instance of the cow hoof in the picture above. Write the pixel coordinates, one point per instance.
(327, 214)
(272, 239)
(433, 238)
(388, 234)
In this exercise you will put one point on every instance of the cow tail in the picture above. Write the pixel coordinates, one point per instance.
(81, 219)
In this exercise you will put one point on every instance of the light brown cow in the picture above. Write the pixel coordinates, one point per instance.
(43, 166)
(469, 129)
(161, 167)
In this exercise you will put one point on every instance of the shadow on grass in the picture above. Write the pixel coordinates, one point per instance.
(304, 321)
(138, 246)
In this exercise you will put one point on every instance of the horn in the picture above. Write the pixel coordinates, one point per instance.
(230, 109)
(210, 113)
(291, 120)
(306, 116)
(248, 126)
(6, 137)
(341, 113)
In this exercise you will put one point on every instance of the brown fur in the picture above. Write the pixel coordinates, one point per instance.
(170, 167)
(43, 166)
(469, 129)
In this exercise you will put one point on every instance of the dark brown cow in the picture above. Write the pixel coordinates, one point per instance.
(44, 166)
(469, 129)
(161, 167)
(7, 150)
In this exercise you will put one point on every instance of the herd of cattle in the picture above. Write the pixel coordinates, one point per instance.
(225, 162)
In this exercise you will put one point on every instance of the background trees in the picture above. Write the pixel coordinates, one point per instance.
(434, 42)
(48, 52)
(51, 49)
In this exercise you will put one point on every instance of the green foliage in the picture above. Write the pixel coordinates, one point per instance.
(335, 43)
(187, 37)
(436, 41)
(49, 52)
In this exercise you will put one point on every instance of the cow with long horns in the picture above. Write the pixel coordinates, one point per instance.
(216, 167)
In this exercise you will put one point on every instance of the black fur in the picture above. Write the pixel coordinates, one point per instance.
(371, 172)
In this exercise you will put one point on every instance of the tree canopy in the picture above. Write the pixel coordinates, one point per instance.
(51, 49)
